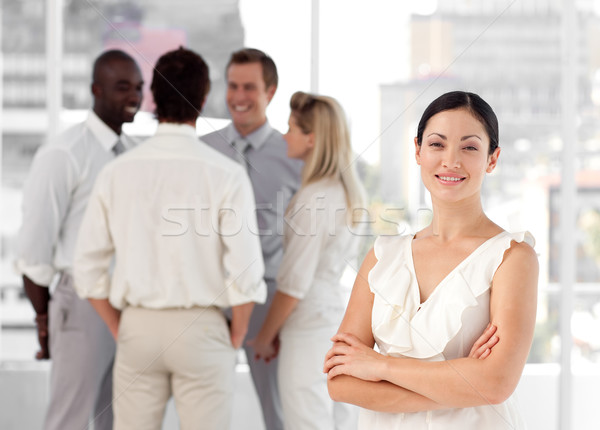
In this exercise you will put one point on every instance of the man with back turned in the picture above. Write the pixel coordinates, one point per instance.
(178, 217)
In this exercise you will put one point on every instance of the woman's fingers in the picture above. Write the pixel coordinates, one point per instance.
(340, 351)
(331, 363)
(335, 371)
(485, 353)
(485, 336)
(484, 344)
(336, 360)
(488, 346)
(348, 338)
(338, 348)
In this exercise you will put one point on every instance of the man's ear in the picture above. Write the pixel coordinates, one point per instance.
(417, 151)
(493, 160)
(96, 90)
(271, 92)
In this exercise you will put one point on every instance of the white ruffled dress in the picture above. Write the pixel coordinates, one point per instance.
(444, 328)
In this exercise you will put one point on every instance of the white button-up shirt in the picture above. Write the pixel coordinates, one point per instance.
(179, 218)
(55, 196)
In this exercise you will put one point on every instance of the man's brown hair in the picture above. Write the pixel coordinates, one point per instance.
(251, 55)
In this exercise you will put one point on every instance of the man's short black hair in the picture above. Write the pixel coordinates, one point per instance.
(106, 58)
(180, 83)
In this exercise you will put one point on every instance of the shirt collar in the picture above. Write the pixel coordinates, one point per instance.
(173, 128)
(256, 139)
(105, 135)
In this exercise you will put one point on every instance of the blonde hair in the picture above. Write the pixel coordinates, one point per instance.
(331, 156)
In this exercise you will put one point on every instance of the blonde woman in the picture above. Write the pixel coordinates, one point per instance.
(319, 240)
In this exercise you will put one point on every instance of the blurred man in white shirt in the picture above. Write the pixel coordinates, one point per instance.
(179, 219)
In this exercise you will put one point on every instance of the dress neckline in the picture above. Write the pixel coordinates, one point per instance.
(411, 265)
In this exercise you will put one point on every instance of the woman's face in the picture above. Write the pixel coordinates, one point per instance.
(299, 144)
(454, 155)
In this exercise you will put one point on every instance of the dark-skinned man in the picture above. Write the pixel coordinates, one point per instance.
(55, 197)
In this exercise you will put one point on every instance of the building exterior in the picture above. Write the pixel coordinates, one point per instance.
(510, 54)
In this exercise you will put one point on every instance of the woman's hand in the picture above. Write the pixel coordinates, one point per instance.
(263, 349)
(349, 356)
(483, 346)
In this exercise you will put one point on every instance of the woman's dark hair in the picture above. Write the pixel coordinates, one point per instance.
(463, 100)
(180, 83)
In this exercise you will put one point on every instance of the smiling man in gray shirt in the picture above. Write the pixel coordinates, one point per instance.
(249, 139)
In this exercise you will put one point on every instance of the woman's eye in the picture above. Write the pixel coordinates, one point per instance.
(471, 148)
(435, 144)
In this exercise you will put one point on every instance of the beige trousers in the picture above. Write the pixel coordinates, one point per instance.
(186, 353)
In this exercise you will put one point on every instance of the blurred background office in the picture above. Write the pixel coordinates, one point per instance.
(537, 62)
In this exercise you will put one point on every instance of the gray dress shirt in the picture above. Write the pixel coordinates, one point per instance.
(275, 178)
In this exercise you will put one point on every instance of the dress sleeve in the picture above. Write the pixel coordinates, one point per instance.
(46, 199)
(307, 224)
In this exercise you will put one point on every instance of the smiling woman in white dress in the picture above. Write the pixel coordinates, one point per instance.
(319, 241)
(425, 298)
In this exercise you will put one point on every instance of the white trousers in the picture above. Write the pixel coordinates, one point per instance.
(186, 353)
(303, 385)
(264, 375)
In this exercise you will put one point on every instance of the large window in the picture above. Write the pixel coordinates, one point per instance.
(384, 61)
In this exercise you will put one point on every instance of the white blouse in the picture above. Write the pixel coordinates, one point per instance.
(444, 327)
(319, 242)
